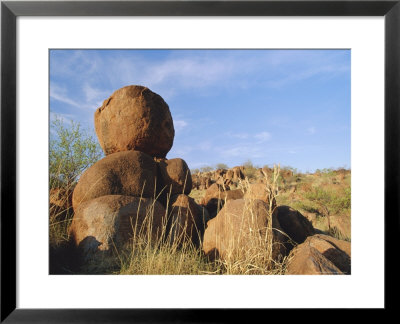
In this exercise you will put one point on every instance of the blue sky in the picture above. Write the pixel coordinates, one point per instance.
(269, 106)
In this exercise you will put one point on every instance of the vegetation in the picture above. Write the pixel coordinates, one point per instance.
(72, 150)
(206, 168)
(324, 197)
(221, 166)
(250, 170)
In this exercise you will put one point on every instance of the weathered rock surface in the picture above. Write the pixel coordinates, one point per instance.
(294, 224)
(135, 118)
(238, 173)
(259, 191)
(215, 190)
(309, 261)
(240, 228)
(186, 220)
(110, 221)
(215, 197)
(341, 224)
(320, 254)
(176, 177)
(129, 173)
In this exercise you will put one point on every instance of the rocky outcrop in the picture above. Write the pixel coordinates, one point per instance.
(294, 224)
(130, 173)
(108, 222)
(175, 176)
(259, 191)
(135, 118)
(186, 220)
(215, 197)
(130, 190)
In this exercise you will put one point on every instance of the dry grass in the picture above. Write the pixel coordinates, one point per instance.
(197, 195)
(60, 217)
(253, 249)
(171, 253)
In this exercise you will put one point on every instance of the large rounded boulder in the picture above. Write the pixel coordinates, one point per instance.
(294, 224)
(186, 220)
(175, 176)
(259, 191)
(135, 118)
(216, 196)
(243, 229)
(108, 222)
(130, 173)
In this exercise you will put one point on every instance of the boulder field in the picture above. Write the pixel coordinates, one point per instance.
(136, 193)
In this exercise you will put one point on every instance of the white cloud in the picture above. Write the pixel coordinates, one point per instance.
(189, 72)
(197, 70)
(60, 94)
(195, 165)
(179, 124)
(94, 97)
(233, 151)
(66, 118)
(263, 137)
(181, 151)
(311, 130)
(204, 146)
(239, 135)
(244, 151)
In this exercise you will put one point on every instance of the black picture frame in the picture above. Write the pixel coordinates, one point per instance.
(10, 10)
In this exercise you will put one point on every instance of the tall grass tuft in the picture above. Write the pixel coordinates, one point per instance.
(253, 251)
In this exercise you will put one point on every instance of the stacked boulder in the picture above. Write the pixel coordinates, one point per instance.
(134, 189)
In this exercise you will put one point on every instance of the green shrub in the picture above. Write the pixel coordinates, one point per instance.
(334, 202)
(222, 166)
(206, 168)
(250, 170)
(72, 150)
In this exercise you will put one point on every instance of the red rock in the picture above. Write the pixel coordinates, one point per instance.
(176, 177)
(111, 221)
(294, 224)
(239, 228)
(185, 220)
(135, 118)
(320, 254)
(129, 173)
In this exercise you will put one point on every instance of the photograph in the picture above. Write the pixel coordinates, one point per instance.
(200, 161)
